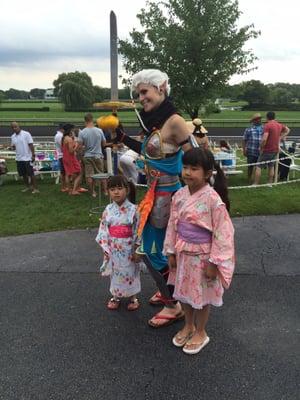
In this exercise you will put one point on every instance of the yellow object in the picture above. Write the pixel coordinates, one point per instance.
(113, 104)
(108, 122)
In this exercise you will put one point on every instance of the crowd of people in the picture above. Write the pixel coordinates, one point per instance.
(261, 145)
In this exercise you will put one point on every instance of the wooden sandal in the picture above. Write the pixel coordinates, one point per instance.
(113, 304)
(133, 305)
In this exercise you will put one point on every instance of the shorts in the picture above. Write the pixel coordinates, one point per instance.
(93, 166)
(25, 168)
(267, 157)
(61, 166)
(252, 160)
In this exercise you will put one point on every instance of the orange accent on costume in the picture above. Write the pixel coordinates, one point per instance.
(145, 207)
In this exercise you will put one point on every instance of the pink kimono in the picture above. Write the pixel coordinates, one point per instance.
(200, 231)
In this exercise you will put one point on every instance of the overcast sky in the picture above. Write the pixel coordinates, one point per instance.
(39, 39)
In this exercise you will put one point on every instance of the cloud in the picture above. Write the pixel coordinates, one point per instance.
(11, 55)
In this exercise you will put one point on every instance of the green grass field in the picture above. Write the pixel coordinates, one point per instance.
(51, 210)
(57, 112)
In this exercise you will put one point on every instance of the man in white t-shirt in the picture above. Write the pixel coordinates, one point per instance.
(58, 140)
(22, 142)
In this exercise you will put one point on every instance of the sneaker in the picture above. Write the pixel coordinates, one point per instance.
(25, 190)
(35, 191)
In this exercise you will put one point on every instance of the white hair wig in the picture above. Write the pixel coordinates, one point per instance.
(153, 77)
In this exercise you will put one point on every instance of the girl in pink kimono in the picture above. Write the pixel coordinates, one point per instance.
(118, 239)
(199, 245)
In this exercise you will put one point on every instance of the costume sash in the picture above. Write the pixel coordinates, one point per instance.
(192, 233)
(120, 231)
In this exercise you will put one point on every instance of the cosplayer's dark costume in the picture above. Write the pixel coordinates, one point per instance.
(162, 163)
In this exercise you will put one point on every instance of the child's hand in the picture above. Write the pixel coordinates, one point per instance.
(172, 261)
(211, 271)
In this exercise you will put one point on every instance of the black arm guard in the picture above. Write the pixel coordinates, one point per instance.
(128, 141)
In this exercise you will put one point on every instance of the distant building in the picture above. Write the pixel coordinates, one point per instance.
(49, 94)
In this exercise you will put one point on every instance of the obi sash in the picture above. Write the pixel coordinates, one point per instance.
(120, 231)
(192, 233)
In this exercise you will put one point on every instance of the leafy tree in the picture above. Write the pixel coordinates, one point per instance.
(124, 94)
(281, 96)
(37, 93)
(101, 93)
(14, 94)
(197, 42)
(2, 96)
(255, 92)
(74, 89)
(232, 92)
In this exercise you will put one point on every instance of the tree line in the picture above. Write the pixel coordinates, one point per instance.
(256, 93)
(98, 93)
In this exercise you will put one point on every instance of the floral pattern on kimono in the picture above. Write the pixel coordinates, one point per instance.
(205, 209)
(124, 273)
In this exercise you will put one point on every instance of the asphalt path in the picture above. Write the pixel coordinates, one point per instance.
(50, 131)
(58, 340)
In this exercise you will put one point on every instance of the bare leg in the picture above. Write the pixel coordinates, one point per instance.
(63, 183)
(201, 318)
(33, 182)
(184, 334)
(26, 181)
(257, 175)
(76, 183)
(91, 186)
(67, 182)
(271, 173)
(250, 174)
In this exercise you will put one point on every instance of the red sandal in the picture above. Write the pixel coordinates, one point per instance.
(170, 319)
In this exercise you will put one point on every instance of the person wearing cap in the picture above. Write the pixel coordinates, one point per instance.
(197, 129)
(273, 133)
(57, 141)
(251, 143)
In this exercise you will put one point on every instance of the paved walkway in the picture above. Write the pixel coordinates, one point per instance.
(58, 341)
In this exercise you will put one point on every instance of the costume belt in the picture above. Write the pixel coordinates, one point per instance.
(120, 231)
(192, 233)
(163, 179)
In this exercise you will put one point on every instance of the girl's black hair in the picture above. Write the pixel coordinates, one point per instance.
(67, 130)
(121, 181)
(205, 159)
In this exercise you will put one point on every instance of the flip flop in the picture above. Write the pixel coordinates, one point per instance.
(180, 341)
(168, 318)
(156, 299)
(82, 190)
(196, 349)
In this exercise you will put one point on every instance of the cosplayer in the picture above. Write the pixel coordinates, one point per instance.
(166, 135)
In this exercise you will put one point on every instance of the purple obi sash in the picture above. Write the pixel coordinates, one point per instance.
(192, 233)
(120, 231)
